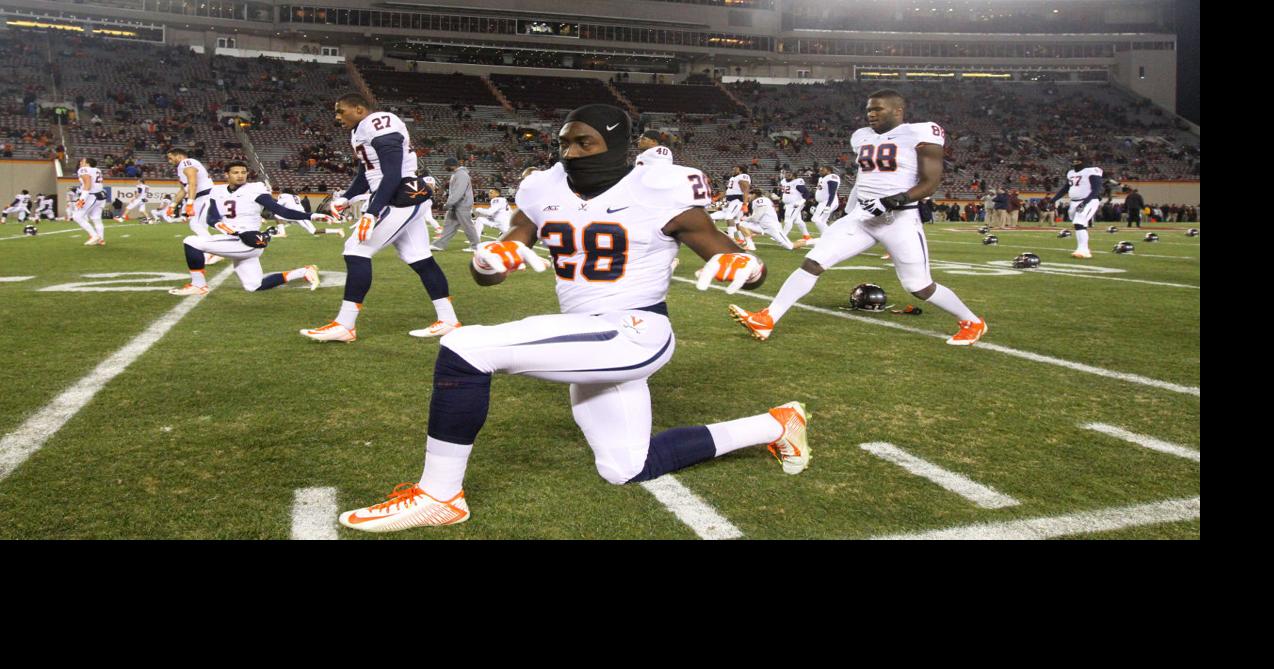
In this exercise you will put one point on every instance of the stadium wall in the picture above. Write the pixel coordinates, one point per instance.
(484, 70)
(1150, 74)
(36, 176)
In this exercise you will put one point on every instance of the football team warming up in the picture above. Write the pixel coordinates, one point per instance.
(612, 231)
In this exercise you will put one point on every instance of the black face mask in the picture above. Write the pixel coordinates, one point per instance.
(592, 175)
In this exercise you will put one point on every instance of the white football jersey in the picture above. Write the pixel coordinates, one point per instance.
(734, 187)
(498, 206)
(94, 178)
(610, 252)
(202, 181)
(887, 162)
(790, 194)
(291, 201)
(375, 125)
(432, 183)
(761, 211)
(23, 199)
(1081, 188)
(822, 193)
(655, 154)
(143, 192)
(44, 203)
(239, 208)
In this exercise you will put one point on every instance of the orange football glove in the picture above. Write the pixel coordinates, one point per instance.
(365, 225)
(190, 210)
(737, 268)
(499, 257)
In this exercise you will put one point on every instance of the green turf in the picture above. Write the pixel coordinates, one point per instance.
(208, 434)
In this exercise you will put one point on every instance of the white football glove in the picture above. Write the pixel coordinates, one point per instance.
(501, 257)
(338, 205)
(737, 268)
(872, 206)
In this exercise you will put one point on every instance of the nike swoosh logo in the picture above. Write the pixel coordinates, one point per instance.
(611, 127)
(611, 211)
(355, 519)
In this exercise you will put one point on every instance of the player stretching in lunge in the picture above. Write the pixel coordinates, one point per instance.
(612, 232)
(387, 170)
(1084, 187)
(140, 198)
(764, 219)
(235, 212)
(21, 206)
(497, 212)
(898, 165)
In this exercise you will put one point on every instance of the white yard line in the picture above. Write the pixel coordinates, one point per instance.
(983, 496)
(697, 514)
(1144, 441)
(23, 442)
(1087, 522)
(15, 279)
(62, 232)
(314, 514)
(1026, 355)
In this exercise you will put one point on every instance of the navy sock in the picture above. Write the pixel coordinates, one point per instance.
(431, 275)
(461, 398)
(194, 257)
(675, 449)
(271, 280)
(358, 278)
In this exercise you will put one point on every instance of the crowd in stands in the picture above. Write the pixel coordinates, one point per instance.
(127, 103)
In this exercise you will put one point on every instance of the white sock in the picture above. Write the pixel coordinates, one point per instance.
(805, 231)
(798, 285)
(445, 463)
(198, 278)
(947, 300)
(101, 229)
(332, 231)
(348, 314)
(1081, 240)
(294, 274)
(446, 312)
(751, 431)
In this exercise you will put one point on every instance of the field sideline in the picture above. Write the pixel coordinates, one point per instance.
(1079, 417)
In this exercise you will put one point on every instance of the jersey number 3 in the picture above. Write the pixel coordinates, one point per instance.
(605, 249)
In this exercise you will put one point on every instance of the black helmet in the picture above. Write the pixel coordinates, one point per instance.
(1152, 237)
(1026, 260)
(1064, 233)
(1112, 229)
(990, 239)
(29, 231)
(868, 297)
(1192, 232)
(1123, 247)
(983, 230)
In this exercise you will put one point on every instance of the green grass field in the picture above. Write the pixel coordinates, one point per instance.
(209, 433)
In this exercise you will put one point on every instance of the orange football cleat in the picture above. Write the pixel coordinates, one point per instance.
(970, 332)
(407, 506)
(331, 332)
(759, 324)
(792, 448)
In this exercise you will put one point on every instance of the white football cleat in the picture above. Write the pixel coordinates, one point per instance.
(92, 241)
(792, 449)
(408, 506)
(331, 332)
(210, 259)
(189, 289)
(1082, 254)
(338, 231)
(438, 329)
(311, 276)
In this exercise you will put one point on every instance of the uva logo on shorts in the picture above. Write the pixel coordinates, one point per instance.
(634, 324)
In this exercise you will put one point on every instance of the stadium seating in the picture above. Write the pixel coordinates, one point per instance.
(668, 98)
(537, 92)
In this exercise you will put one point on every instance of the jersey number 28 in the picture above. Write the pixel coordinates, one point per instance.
(605, 249)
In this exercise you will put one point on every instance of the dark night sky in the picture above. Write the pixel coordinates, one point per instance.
(1188, 56)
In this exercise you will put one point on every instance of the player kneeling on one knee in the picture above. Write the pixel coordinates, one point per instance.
(612, 233)
(235, 215)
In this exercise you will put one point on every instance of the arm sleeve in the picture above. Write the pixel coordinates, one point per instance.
(359, 185)
(1094, 187)
(279, 210)
(1061, 192)
(389, 150)
(831, 191)
(457, 188)
(214, 214)
(805, 192)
